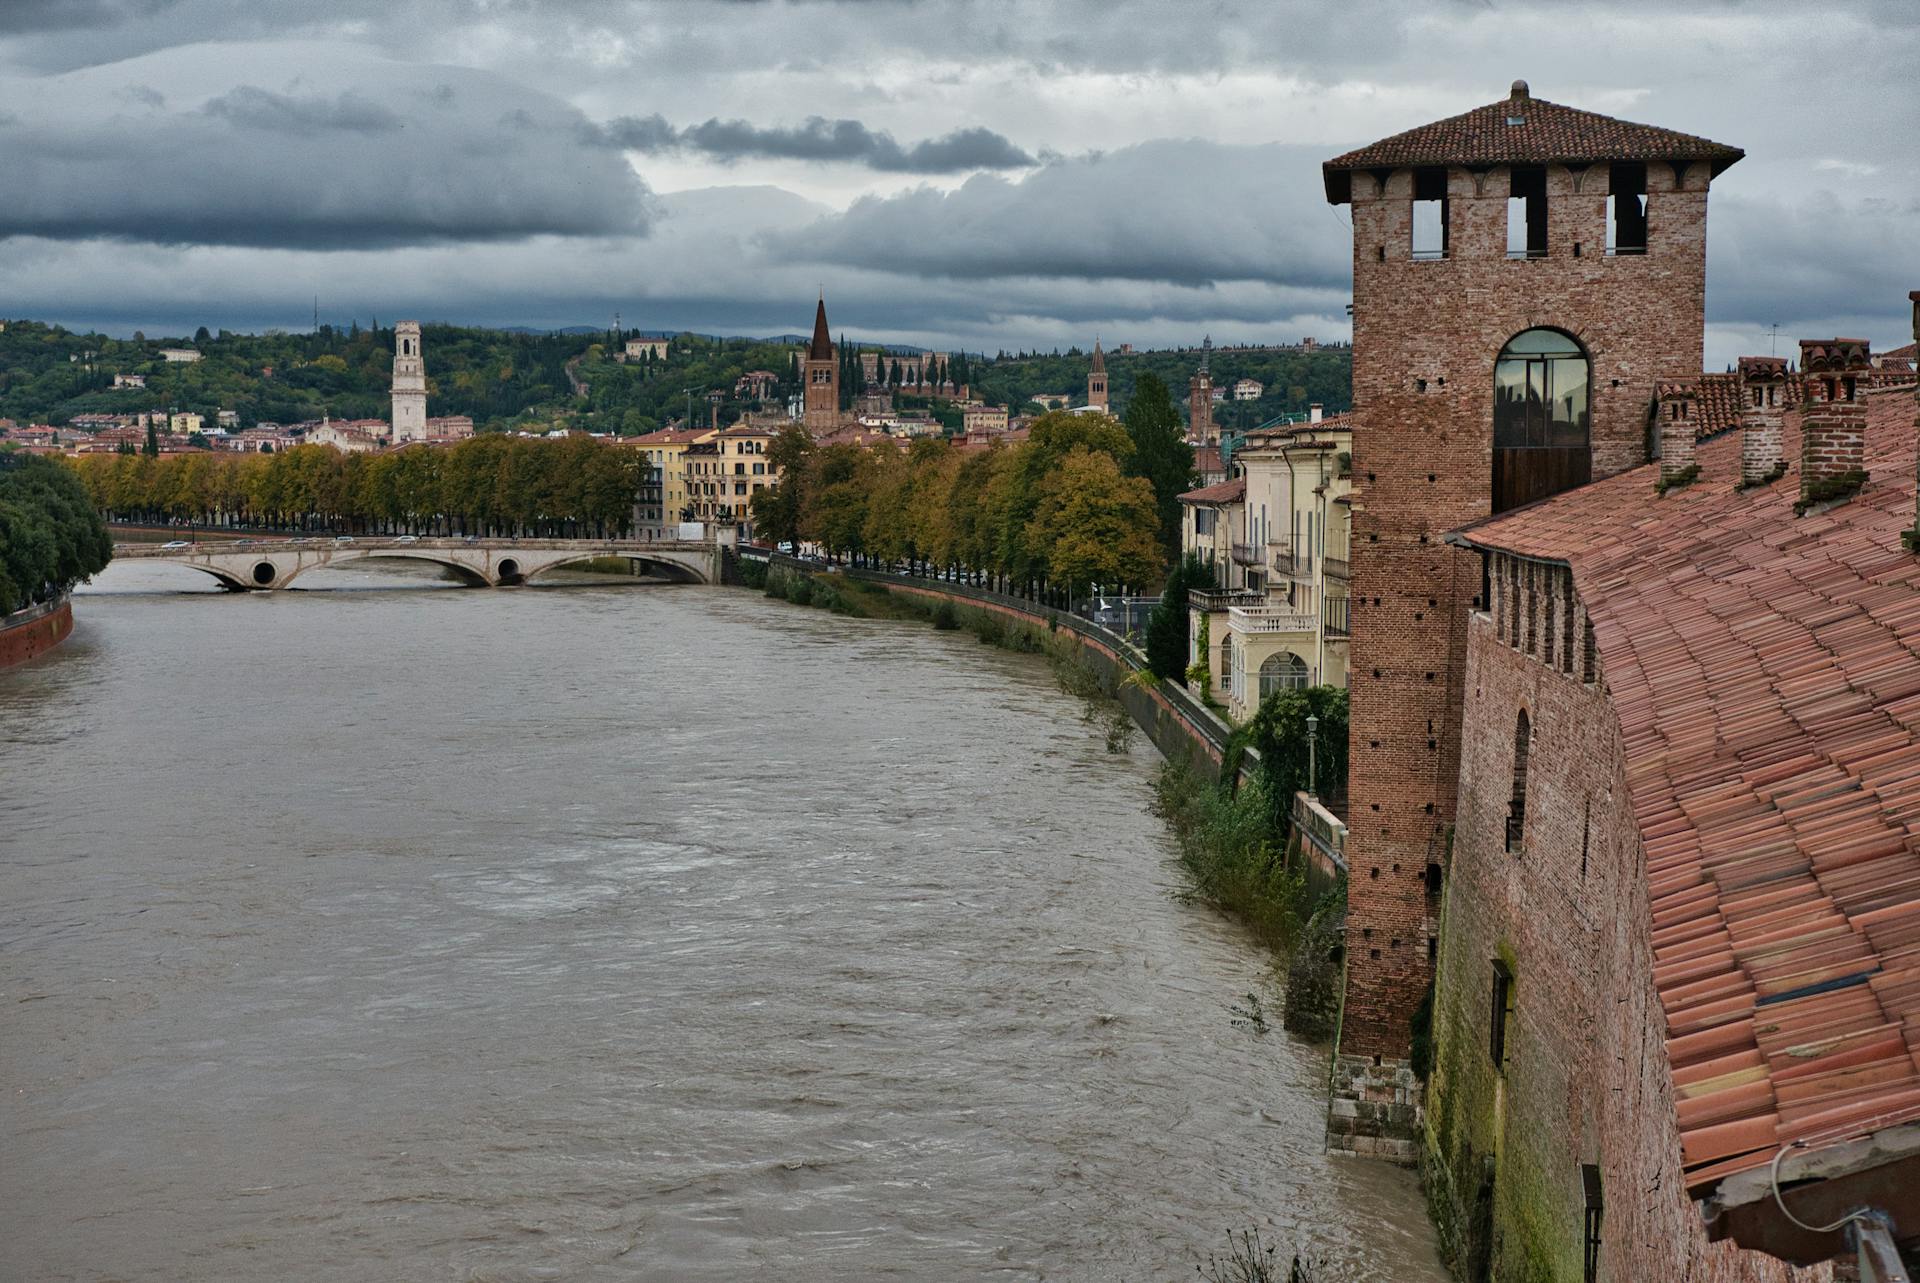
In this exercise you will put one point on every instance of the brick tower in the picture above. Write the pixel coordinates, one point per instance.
(821, 370)
(409, 383)
(1200, 429)
(1097, 380)
(1522, 274)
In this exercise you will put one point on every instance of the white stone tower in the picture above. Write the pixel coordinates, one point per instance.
(409, 384)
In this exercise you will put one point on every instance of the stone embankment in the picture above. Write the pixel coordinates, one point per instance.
(31, 633)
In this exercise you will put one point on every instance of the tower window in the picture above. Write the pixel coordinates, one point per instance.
(1430, 214)
(1502, 1014)
(1596, 1208)
(1540, 418)
(1627, 209)
(1517, 806)
(1527, 212)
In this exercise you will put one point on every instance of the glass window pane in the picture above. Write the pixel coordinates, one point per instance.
(1509, 402)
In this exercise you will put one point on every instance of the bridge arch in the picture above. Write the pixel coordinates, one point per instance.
(665, 567)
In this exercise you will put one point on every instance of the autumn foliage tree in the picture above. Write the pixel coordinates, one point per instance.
(1058, 509)
(490, 484)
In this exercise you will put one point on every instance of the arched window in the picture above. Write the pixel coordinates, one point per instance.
(1226, 662)
(1517, 808)
(1541, 421)
(1282, 672)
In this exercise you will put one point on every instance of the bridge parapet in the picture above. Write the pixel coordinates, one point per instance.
(267, 565)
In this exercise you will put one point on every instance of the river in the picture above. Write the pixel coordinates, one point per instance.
(384, 930)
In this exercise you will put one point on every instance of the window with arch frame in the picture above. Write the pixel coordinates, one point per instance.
(1282, 671)
(1542, 420)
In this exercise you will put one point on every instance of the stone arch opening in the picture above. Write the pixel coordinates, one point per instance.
(508, 570)
(1542, 417)
(263, 574)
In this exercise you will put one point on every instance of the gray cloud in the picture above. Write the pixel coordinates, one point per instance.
(818, 139)
(378, 159)
(1188, 213)
(308, 115)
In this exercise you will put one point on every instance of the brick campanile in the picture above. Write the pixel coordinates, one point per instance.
(1200, 429)
(821, 371)
(1522, 274)
(1097, 379)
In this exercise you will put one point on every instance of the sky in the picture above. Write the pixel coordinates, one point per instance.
(984, 174)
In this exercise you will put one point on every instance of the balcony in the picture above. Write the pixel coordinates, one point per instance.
(1248, 554)
(1268, 619)
(1338, 567)
(1334, 617)
(1218, 599)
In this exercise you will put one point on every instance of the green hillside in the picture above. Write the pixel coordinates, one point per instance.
(504, 379)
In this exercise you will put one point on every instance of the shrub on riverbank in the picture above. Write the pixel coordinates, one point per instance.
(1233, 852)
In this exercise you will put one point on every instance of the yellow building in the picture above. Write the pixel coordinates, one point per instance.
(665, 499)
(726, 470)
(184, 424)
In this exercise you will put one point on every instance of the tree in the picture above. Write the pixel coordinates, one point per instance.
(1160, 454)
(1093, 525)
(1278, 729)
(51, 537)
(1168, 643)
(153, 441)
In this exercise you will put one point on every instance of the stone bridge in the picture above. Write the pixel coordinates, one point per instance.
(265, 565)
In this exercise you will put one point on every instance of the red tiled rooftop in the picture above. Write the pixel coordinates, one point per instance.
(1549, 133)
(1765, 669)
(1224, 492)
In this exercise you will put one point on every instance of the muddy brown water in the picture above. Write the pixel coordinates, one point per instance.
(382, 930)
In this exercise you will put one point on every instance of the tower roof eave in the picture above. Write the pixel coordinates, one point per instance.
(1549, 134)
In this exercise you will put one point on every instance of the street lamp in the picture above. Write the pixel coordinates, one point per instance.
(1313, 729)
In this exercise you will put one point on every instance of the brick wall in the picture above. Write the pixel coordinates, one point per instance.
(1833, 441)
(1567, 913)
(1426, 336)
(30, 637)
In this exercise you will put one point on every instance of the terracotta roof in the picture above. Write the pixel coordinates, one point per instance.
(821, 349)
(1206, 458)
(1233, 491)
(1549, 134)
(1342, 422)
(671, 436)
(1765, 670)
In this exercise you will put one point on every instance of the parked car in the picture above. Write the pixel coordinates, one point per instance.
(177, 543)
(343, 538)
(408, 539)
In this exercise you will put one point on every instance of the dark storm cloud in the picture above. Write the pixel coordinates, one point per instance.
(1187, 213)
(818, 139)
(375, 161)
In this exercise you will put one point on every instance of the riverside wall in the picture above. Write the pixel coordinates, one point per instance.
(31, 633)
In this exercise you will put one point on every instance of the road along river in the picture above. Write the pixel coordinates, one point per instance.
(614, 932)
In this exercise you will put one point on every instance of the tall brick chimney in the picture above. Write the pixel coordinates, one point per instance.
(1674, 400)
(1763, 387)
(1833, 424)
(1913, 536)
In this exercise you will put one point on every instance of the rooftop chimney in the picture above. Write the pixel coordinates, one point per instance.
(1912, 538)
(1763, 387)
(1674, 398)
(1833, 424)
(1315, 412)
